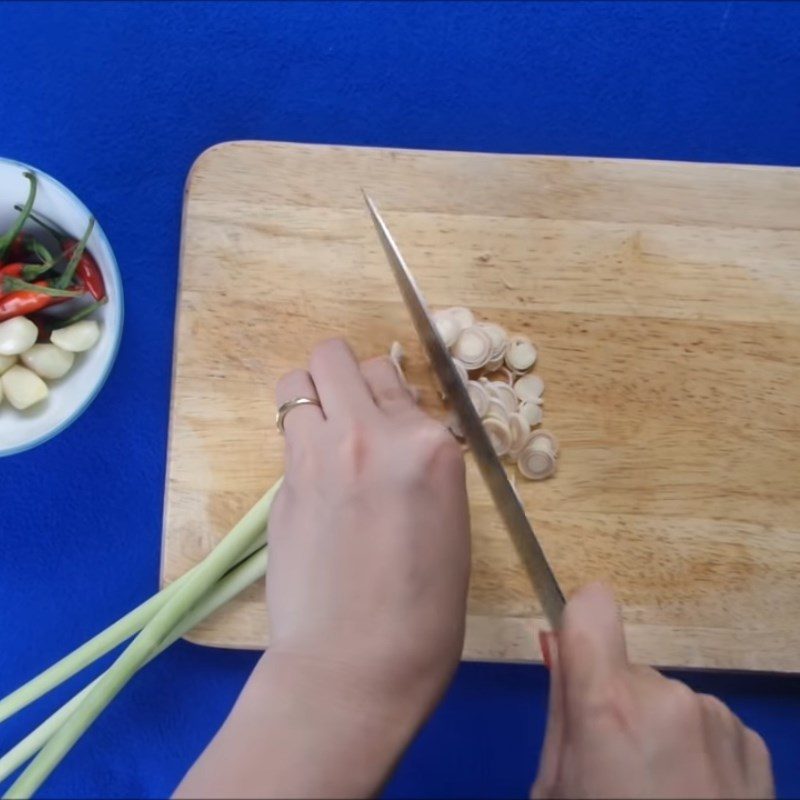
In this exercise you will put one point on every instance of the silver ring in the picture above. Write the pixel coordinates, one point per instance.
(289, 405)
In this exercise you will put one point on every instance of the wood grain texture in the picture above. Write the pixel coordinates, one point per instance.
(664, 299)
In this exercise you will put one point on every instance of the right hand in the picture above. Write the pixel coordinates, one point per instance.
(619, 730)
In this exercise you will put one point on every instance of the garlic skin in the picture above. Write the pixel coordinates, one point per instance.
(520, 354)
(76, 338)
(473, 348)
(529, 388)
(17, 335)
(48, 361)
(6, 362)
(23, 387)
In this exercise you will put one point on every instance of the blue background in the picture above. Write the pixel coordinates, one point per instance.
(117, 100)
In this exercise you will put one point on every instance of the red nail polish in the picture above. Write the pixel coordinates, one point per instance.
(544, 643)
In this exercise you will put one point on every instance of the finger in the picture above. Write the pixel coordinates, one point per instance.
(341, 386)
(389, 391)
(591, 646)
(758, 764)
(300, 421)
(554, 733)
(722, 736)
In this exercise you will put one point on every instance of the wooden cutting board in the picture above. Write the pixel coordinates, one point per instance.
(665, 302)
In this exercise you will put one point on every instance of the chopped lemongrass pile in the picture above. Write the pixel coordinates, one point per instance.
(237, 562)
(497, 371)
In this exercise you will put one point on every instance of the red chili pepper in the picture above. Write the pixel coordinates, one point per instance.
(87, 270)
(21, 302)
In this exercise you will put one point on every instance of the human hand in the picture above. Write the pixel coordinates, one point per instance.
(369, 536)
(620, 730)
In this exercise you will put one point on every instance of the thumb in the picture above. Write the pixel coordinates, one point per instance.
(591, 647)
(554, 734)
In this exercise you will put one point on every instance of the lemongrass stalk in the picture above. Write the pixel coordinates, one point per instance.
(107, 640)
(237, 580)
(205, 575)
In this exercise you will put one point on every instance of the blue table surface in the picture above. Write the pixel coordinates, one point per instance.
(118, 99)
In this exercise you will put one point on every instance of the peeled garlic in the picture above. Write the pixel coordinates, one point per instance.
(479, 397)
(520, 429)
(78, 337)
(22, 387)
(6, 362)
(505, 394)
(499, 435)
(532, 413)
(529, 388)
(448, 328)
(17, 335)
(48, 361)
(520, 354)
(473, 347)
(499, 339)
(463, 316)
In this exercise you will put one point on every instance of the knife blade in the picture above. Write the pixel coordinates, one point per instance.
(494, 475)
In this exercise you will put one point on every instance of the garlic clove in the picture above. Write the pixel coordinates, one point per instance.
(499, 339)
(22, 387)
(520, 429)
(48, 361)
(479, 396)
(472, 348)
(77, 337)
(17, 335)
(463, 316)
(529, 388)
(6, 362)
(536, 464)
(499, 435)
(506, 395)
(448, 327)
(520, 354)
(532, 413)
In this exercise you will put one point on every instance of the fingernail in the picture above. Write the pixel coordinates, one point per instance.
(544, 644)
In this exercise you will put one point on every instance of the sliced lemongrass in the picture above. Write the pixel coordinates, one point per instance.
(463, 316)
(501, 374)
(479, 396)
(77, 338)
(493, 364)
(520, 354)
(472, 348)
(532, 413)
(544, 440)
(448, 328)
(17, 335)
(505, 394)
(497, 410)
(461, 370)
(499, 435)
(520, 428)
(23, 387)
(396, 356)
(536, 464)
(498, 338)
(529, 388)
(48, 361)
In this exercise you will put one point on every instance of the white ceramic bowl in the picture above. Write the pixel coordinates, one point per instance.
(70, 396)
